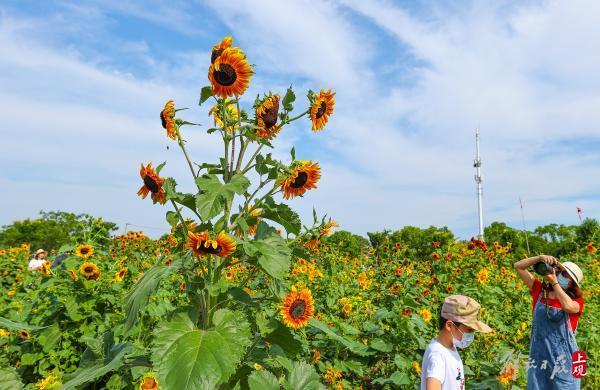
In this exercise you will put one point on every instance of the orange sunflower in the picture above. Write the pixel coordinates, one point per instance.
(321, 108)
(304, 177)
(266, 117)
(148, 382)
(220, 47)
(230, 73)
(90, 271)
(152, 184)
(167, 118)
(84, 251)
(297, 308)
(201, 244)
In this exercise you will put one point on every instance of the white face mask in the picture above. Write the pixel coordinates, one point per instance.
(467, 339)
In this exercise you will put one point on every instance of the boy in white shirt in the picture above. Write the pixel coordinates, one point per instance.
(442, 367)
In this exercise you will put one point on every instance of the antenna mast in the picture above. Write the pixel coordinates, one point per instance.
(478, 180)
(524, 227)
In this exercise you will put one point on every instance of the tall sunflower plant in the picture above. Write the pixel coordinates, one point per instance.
(236, 249)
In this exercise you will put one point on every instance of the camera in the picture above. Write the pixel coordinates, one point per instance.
(542, 268)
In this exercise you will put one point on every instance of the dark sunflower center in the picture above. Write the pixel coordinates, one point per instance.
(270, 117)
(215, 54)
(210, 250)
(321, 110)
(226, 75)
(84, 251)
(300, 180)
(163, 120)
(89, 270)
(151, 184)
(297, 308)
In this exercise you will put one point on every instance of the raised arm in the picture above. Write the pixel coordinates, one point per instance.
(522, 265)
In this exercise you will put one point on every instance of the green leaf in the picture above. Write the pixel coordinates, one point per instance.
(211, 202)
(303, 377)
(381, 346)
(186, 357)
(9, 379)
(273, 255)
(11, 325)
(283, 337)
(397, 378)
(354, 346)
(138, 297)
(172, 218)
(49, 337)
(288, 99)
(281, 214)
(205, 93)
(29, 359)
(262, 380)
(97, 368)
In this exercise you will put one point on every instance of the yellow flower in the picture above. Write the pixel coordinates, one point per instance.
(416, 367)
(4, 332)
(49, 383)
(84, 251)
(523, 325)
(297, 308)
(148, 382)
(425, 314)
(483, 275)
(258, 367)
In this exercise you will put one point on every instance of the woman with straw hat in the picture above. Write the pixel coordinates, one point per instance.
(557, 307)
(38, 260)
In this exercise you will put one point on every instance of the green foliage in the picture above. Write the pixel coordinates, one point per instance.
(54, 229)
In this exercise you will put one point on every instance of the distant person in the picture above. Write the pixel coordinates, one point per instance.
(557, 306)
(442, 367)
(38, 260)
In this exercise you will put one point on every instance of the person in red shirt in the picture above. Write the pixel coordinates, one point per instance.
(557, 306)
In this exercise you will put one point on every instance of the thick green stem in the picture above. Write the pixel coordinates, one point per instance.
(187, 157)
(252, 158)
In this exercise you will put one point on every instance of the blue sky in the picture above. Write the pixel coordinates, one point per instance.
(82, 83)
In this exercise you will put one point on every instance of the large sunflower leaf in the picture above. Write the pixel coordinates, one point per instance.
(9, 379)
(186, 357)
(303, 377)
(281, 214)
(215, 194)
(354, 346)
(138, 297)
(113, 360)
(273, 255)
(263, 380)
(11, 325)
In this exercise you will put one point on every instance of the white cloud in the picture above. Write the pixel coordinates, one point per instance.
(395, 153)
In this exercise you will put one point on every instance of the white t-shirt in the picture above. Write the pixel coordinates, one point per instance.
(35, 264)
(443, 364)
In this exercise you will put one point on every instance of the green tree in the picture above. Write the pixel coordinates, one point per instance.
(55, 228)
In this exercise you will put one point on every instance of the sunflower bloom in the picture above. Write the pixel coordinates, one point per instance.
(148, 382)
(120, 275)
(232, 116)
(230, 73)
(297, 308)
(304, 177)
(321, 108)
(220, 47)
(482, 276)
(202, 244)
(84, 251)
(73, 275)
(152, 184)
(90, 271)
(24, 334)
(425, 315)
(167, 119)
(267, 114)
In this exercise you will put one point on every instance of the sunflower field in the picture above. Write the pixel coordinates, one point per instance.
(243, 295)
